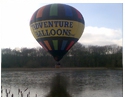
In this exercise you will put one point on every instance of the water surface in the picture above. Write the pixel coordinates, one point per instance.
(84, 83)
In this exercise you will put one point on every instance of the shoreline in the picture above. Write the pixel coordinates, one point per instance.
(53, 69)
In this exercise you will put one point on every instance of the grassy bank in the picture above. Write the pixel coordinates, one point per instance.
(52, 69)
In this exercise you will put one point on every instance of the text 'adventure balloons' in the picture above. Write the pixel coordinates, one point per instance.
(57, 27)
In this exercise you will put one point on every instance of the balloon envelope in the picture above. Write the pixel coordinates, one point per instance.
(57, 27)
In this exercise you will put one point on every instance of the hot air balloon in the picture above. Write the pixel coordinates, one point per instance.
(57, 27)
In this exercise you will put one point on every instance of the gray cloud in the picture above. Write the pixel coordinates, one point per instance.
(101, 36)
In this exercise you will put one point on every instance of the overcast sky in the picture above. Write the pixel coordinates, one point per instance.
(103, 23)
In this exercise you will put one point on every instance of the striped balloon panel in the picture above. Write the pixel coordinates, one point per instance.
(57, 11)
(62, 44)
(57, 47)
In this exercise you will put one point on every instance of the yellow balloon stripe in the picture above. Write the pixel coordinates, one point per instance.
(57, 28)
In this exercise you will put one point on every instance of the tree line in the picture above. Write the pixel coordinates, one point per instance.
(109, 56)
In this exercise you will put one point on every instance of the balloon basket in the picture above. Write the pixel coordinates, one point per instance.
(57, 65)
